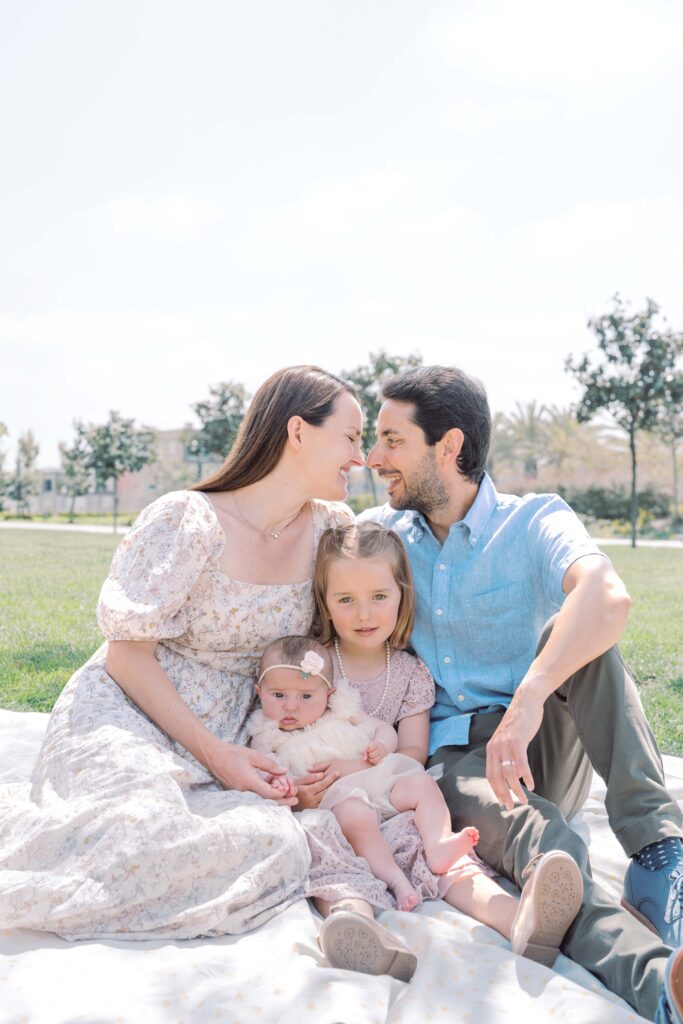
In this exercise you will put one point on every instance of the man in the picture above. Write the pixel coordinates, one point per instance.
(526, 707)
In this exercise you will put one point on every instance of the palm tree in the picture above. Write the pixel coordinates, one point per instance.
(528, 433)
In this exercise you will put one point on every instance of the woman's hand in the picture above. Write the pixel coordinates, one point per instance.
(375, 752)
(310, 789)
(241, 768)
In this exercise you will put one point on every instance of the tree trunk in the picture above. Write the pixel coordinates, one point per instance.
(72, 508)
(674, 512)
(115, 493)
(634, 491)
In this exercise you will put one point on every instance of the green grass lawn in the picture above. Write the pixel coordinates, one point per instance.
(49, 582)
(653, 642)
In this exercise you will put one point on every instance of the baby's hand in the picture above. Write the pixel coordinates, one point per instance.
(285, 784)
(375, 752)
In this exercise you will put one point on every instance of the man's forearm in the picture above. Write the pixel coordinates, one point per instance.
(590, 621)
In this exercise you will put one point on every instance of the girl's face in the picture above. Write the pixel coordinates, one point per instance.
(331, 449)
(292, 701)
(363, 599)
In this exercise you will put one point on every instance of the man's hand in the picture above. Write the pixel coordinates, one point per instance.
(506, 752)
(591, 619)
(375, 752)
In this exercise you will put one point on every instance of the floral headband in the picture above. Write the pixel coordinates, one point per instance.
(310, 665)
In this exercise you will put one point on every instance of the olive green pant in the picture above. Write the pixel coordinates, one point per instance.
(595, 720)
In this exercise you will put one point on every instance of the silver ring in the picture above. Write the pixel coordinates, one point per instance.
(505, 764)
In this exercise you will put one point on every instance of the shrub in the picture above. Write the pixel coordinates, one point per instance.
(614, 502)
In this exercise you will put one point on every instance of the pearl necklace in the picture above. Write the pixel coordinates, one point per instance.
(387, 671)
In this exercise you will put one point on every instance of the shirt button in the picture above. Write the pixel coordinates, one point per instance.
(439, 611)
(442, 566)
(447, 660)
(460, 696)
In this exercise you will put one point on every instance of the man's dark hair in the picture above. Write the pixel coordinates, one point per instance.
(445, 397)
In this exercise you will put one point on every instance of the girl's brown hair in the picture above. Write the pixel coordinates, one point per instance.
(305, 391)
(363, 540)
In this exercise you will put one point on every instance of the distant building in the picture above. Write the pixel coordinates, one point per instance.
(173, 469)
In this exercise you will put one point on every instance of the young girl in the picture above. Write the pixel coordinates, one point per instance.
(364, 595)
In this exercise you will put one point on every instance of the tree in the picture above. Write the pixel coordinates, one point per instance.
(628, 377)
(563, 436)
(114, 448)
(24, 481)
(670, 429)
(220, 416)
(527, 430)
(3, 478)
(75, 459)
(501, 449)
(368, 381)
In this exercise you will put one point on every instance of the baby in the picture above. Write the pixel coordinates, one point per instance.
(304, 720)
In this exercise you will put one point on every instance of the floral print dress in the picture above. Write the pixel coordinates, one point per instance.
(123, 833)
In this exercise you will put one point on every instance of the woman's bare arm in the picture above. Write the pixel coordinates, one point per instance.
(133, 666)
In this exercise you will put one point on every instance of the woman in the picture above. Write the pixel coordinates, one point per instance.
(127, 832)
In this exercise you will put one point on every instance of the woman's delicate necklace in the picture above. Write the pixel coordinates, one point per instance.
(273, 532)
(387, 673)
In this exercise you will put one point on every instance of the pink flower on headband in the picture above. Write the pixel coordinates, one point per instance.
(311, 664)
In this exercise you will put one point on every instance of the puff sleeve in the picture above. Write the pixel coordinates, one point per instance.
(419, 693)
(147, 593)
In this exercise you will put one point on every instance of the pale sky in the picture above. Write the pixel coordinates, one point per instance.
(200, 191)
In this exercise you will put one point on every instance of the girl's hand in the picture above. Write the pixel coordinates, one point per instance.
(375, 752)
(310, 789)
(237, 767)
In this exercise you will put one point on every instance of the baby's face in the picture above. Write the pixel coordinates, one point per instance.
(292, 701)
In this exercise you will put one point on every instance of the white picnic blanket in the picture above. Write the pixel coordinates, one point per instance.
(277, 975)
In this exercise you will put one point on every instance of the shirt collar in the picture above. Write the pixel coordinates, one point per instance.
(476, 518)
(481, 509)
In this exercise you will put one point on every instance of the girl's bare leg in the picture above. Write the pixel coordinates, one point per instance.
(358, 822)
(420, 793)
(478, 896)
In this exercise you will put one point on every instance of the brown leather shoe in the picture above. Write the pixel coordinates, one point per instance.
(550, 901)
(355, 942)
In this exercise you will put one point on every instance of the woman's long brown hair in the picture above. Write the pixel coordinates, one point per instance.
(305, 391)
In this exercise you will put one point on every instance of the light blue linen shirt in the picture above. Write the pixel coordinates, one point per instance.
(483, 597)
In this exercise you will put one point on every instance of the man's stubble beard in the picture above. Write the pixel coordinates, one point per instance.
(425, 492)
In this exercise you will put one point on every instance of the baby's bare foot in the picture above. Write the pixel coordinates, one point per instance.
(406, 897)
(443, 854)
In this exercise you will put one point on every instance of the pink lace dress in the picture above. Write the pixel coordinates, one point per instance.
(411, 691)
(122, 833)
